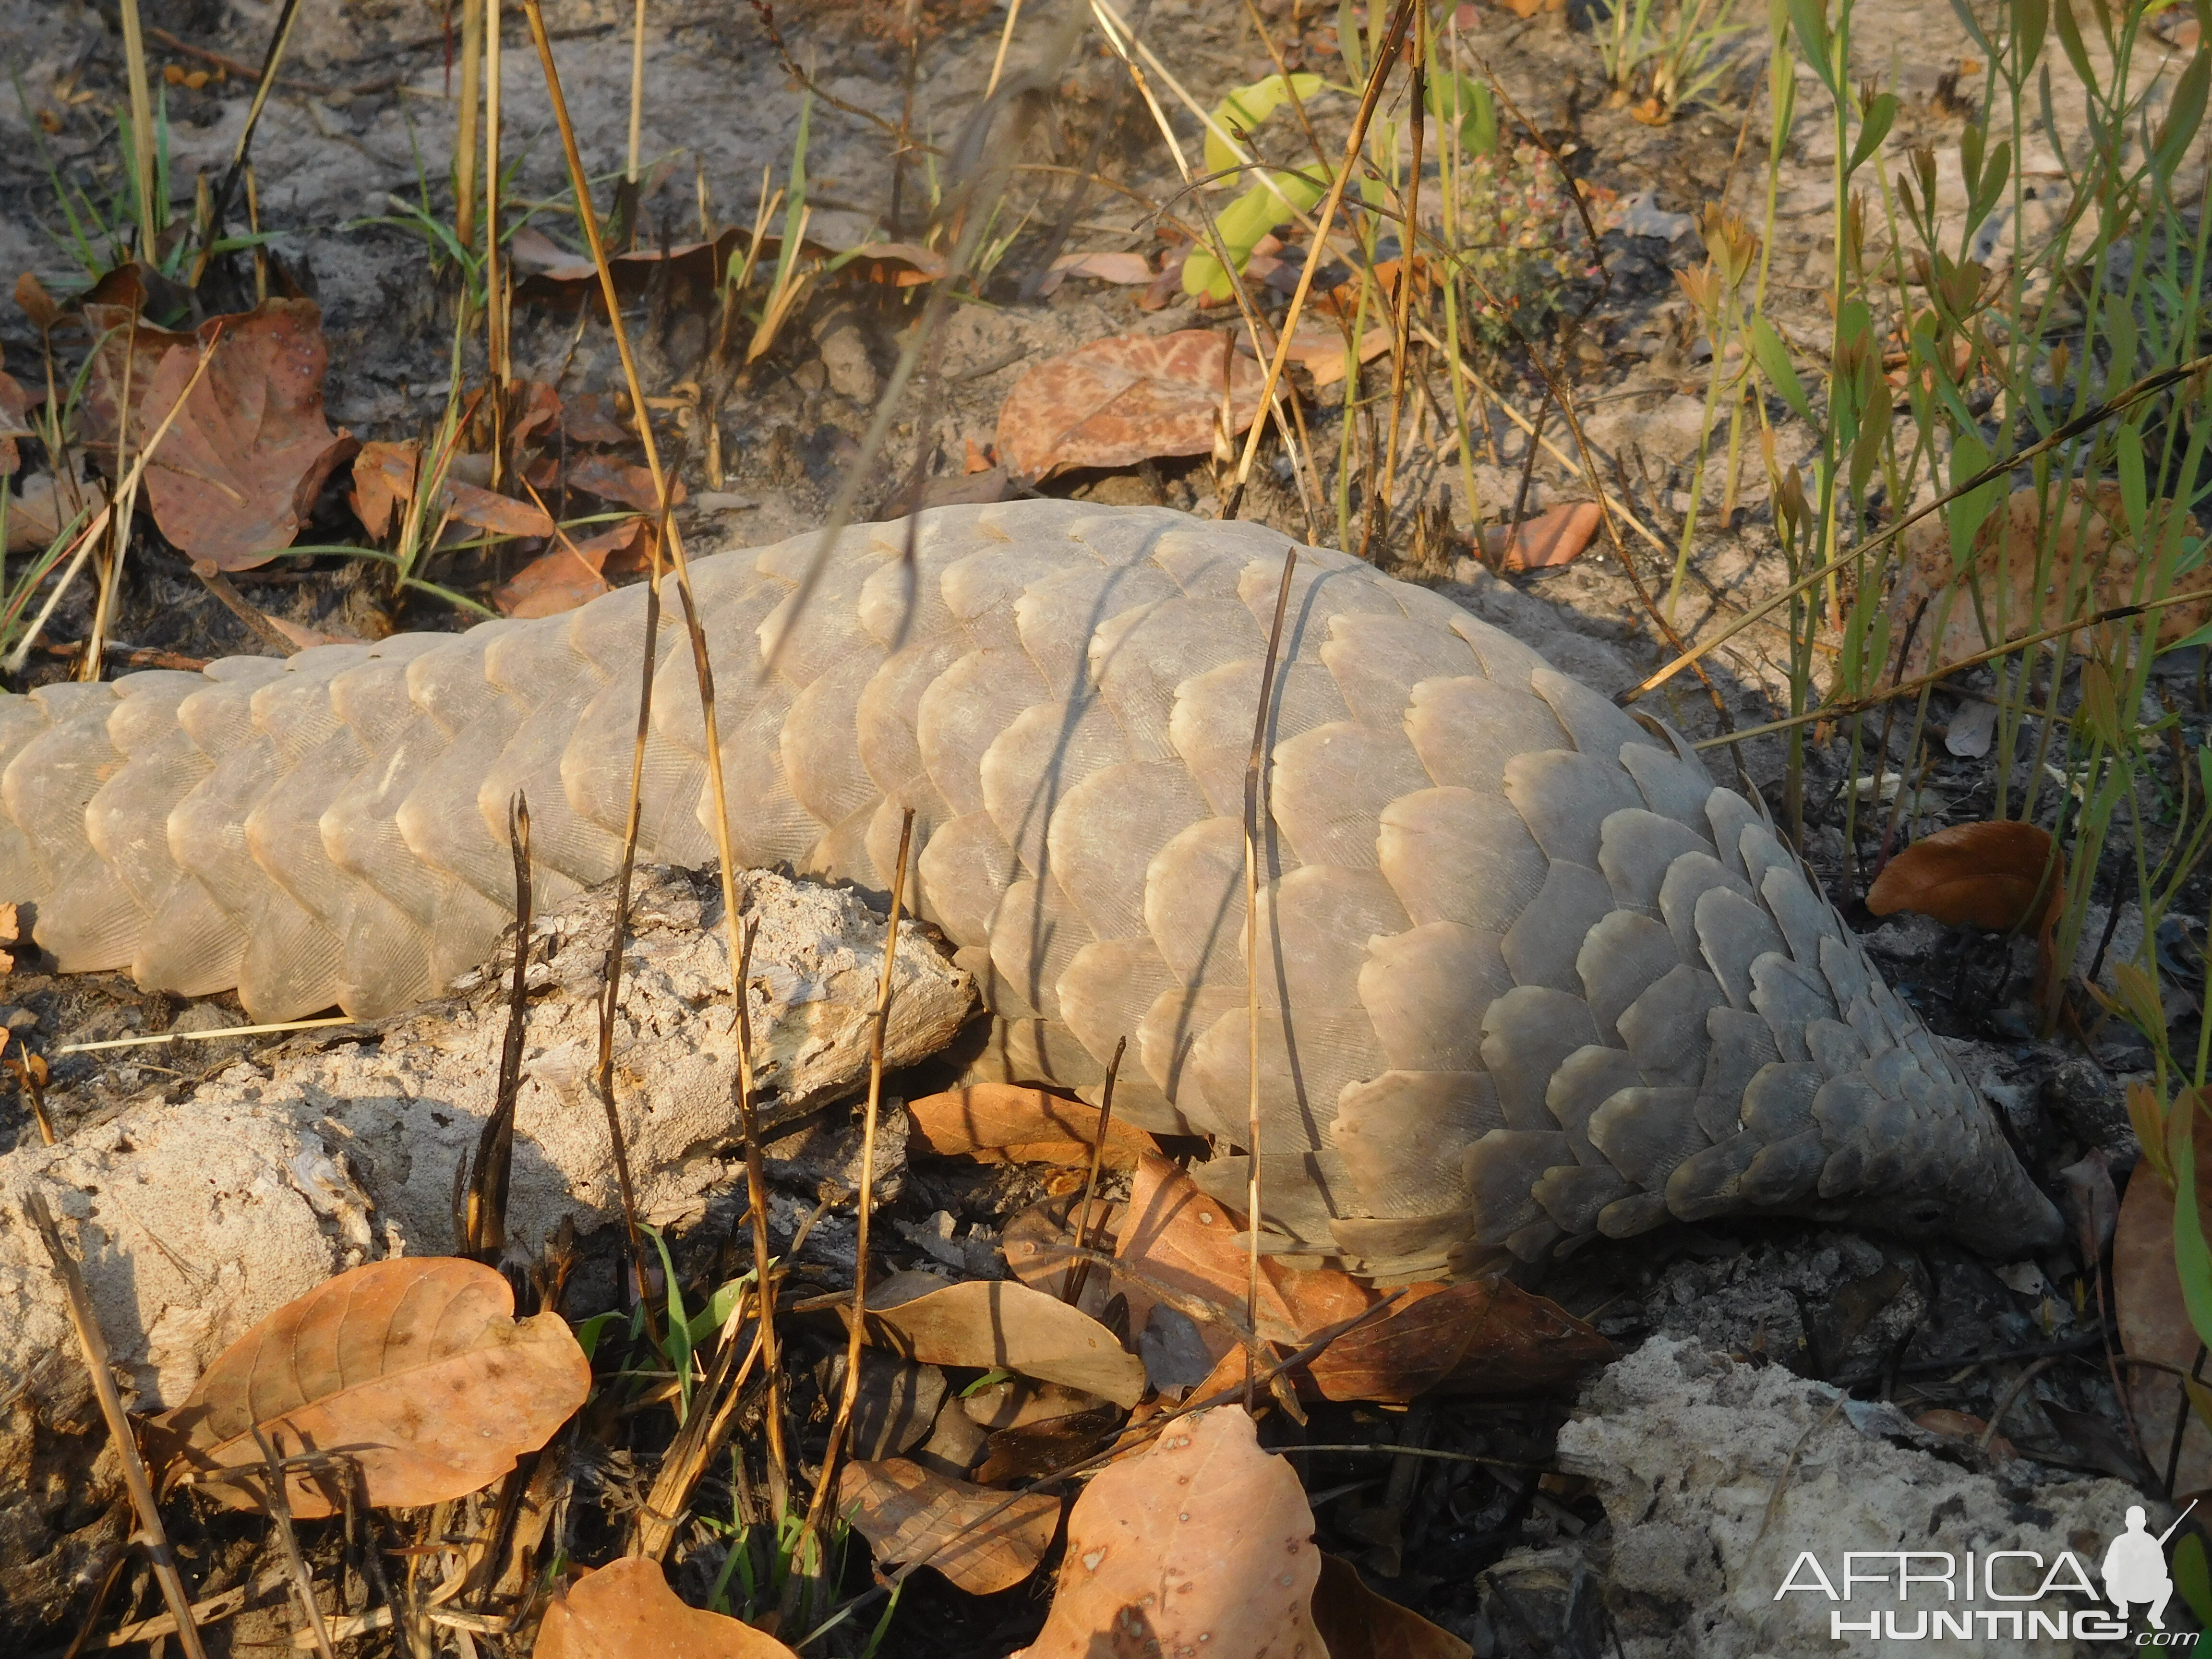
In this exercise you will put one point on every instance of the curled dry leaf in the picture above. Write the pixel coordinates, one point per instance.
(1986, 875)
(250, 450)
(1553, 538)
(1479, 1336)
(1203, 1544)
(626, 1610)
(2092, 564)
(630, 486)
(996, 1324)
(1007, 1123)
(1358, 1624)
(417, 1369)
(973, 1535)
(1116, 402)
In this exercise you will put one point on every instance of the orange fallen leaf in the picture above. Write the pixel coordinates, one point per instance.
(1319, 350)
(384, 477)
(1202, 1544)
(127, 351)
(2091, 564)
(32, 300)
(1116, 402)
(1126, 269)
(569, 575)
(993, 1324)
(1007, 1123)
(1965, 1425)
(1479, 1336)
(626, 1610)
(1985, 875)
(972, 1535)
(1553, 538)
(416, 1368)
(249, 452)
(1355, 1623)
(488, 510)
(9, 935)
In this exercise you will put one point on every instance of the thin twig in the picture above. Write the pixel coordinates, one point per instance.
(280, 1512)
(817, 1507)
(1080, 1274)
(151, 1536)
(482, 1231)
(779, 1478)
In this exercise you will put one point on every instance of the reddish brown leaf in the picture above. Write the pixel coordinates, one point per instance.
(416, 1368)
(996, 1324)
(593, 418)
(1553, 538)
(1035, 1245)
(1114, 403)
(241, 466)
(1479, 1336)
(609, 480)
(626, 1610)
(127, 351)
(383, 483)
(975, 1536)
(1202, 1544)
(1986, 875)
(1007, 1123)
(1318, 348)
(1965, 1425)
(501, 515)
(1355, 1623)
(570, 575)
(36, 516)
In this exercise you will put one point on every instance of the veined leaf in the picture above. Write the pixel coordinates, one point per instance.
(1881, 116)
(1255, 214)
(1773, 359)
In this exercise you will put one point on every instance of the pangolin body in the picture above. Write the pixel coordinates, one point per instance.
(1528, 977)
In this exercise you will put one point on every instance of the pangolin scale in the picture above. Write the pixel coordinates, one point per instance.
(1529, 976)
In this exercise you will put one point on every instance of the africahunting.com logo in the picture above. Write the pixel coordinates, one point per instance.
(1994, 1594)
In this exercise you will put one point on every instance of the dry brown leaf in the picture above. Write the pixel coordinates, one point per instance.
(1965, 1425)
(1479, 1336)
(34, 300)
(1318, 348)
(1036, 1242)
(972, 1535)
(14, 422)
(127, 351)
(626, 1610)
(240, 468)
(996, 1324)
(2153, 1321)
(1028, 1449)
(416, 1368)
(2093, 565)
(487, 510)
(1116, 402)
(550, 275)
(609, 480)
(1201, 1545)
(1008, 1123)
(9, 935)
(570, 575)
(1358, 1624)
(1986, 875)
(1126, 269)
(35, 516)
(383, 483)
(1553, 538)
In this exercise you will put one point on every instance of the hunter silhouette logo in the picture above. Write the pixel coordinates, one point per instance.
(2015, 1595)
(2135, 1567)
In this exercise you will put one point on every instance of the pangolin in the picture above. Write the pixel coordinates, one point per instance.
(1527, 975)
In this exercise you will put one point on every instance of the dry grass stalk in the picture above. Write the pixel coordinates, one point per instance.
(465, 137)
(1080, 1274)
(151, 1536)
(1394, 42)
(817, 1508)
(757, 1207)
(1256, 813)
(280, 1513)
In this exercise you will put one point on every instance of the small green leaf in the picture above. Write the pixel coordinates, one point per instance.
(1348, 39)
(1973, 28)
(589, 1332)
(1809, 21)
(1246, 107)
(1255, 214)
(2192, 1258)
(2070, 38)
(2031, 19)
(1969, 457)
(2184, 113)
(1461, 98)
(1773, 358)
(1881, 116)
(2134, 486)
